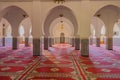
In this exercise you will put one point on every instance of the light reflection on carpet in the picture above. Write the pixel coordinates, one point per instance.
(102, 64)
(59, 63)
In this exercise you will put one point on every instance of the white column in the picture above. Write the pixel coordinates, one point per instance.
(36, 28)
(109, 38)
(15, 38)
(84, 21)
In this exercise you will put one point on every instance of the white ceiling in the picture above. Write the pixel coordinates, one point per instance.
(50, 0)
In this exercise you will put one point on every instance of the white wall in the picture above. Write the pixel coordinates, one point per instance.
(83, 10)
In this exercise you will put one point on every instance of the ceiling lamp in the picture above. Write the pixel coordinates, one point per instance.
(59, 1)
(61, 21)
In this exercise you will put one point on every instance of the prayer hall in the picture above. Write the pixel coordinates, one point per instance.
(59, 39)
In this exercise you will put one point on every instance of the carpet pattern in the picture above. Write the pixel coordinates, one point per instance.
(14, 63)
(101, 65)
(59, 63)
(55, 64)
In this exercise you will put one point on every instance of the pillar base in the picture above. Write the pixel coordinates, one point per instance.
(46, 43)
(109, 43)
(110, 49)
(50, 42)
(85, 55)
(85, 47)
(98, 42)
(73, 42)
(37, 49)
(91, 41)
(77, 43)
(26, 42)
(3, 41)
(15, 43)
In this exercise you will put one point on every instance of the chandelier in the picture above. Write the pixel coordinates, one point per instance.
(61, 21)
(59, 1)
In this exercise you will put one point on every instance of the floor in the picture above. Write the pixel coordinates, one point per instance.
(60, 62)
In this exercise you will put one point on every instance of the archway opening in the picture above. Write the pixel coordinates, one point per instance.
(26, 30)
(5, 33)
(14, 15)
(21, 33)
(103, 35)
(98, 31)
(112, 31)
(59, 26)
(59, 20)
(116, 34)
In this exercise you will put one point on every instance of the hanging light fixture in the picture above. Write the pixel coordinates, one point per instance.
(61, 17)
(59, 1)
(61, 21)
(62, 26)
(3, 29)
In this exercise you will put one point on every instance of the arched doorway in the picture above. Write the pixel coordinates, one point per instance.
(5, 33)
(25, 34)
(109, 21)
(116, 34)
(61, 25)
(14, 15)
(97, 31)
(59, 20)
(21, 33)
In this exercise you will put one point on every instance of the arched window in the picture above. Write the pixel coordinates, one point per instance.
(21, 31)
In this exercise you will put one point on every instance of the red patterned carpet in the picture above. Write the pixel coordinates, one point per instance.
(15, 63)
(102, 64)
(59, 63)
(55, 64)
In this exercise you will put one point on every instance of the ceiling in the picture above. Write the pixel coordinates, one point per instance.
(50, 0)
(16, 0)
